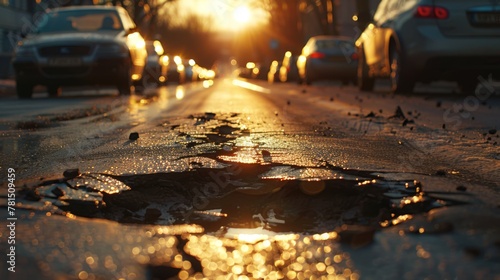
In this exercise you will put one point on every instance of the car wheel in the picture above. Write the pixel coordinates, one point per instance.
(467, 85)
(308, 79)
(124, 82)
(365, 82)
(24, 90)
(400, 77)
(54, 90)
(139, 85)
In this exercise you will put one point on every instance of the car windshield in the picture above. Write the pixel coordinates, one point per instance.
(79, 21)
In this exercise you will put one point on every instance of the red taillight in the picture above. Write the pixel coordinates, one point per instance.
(432, 12)
(354, 56)
(317, 55)
(440, 13)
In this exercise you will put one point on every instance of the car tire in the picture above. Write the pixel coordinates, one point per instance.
(54, 90)
(365, 82)
(401, 78)
(125, 82)
(308, 79)
(24, 90)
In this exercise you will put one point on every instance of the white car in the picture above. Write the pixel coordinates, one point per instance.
(413, 41)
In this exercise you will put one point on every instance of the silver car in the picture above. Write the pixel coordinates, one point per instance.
(328, 58)
(413, 41)
(84, 45)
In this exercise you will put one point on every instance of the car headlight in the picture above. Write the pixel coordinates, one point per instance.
(108, 49)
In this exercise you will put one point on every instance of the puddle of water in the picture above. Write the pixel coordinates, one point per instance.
(241, 195)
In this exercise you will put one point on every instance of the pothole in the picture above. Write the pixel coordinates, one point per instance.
(267, 195)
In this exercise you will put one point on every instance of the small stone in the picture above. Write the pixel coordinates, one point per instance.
(266, 153)
(71, 173)
(370, 115)
(331, 99)
(398, 114)
(461, 188)
(32, 195)
(58, 192)
(492, 131)
(288, 102)
(133, 136)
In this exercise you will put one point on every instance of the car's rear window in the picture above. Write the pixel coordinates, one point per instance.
(333, 44)
(80, 21)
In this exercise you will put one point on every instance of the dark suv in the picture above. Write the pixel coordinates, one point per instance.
(85, 45)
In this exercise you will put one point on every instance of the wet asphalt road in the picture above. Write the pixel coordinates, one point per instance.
(285, 181)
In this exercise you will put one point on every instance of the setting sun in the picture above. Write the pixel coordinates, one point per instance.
(226, 15)
(242, 14)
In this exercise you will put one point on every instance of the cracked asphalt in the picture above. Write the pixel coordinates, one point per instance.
(236, 179)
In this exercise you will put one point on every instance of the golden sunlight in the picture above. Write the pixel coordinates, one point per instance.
(227, 15)
(242, 14)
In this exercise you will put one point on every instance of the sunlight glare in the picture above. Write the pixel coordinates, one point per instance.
(242, 14)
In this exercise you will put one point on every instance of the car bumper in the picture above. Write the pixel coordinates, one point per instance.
(432, 55)
(105, 71)
(317, 69)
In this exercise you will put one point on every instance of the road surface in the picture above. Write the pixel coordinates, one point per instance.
(238, 177)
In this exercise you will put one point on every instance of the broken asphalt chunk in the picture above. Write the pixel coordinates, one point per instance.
(71, 173)
(133, 136)
(398, 114)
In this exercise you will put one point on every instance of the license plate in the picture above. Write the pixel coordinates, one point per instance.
(65, 61)
(487, 18)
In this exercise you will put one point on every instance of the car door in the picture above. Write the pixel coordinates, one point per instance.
(371, 39)
(384, 31)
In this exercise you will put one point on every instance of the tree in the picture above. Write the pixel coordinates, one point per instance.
(324, 11)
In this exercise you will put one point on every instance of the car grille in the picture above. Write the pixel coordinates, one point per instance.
(65, 71)
(65, 51)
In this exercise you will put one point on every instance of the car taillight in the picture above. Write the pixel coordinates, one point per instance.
(354, 56)
(426, 11)
(317, 55)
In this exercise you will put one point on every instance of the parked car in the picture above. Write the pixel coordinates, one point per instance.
(288, 71)
(80, 46)
(274, 71)
(250, 71)
(155, 71)
(176, 71)
(328, 58)
(428, 40)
